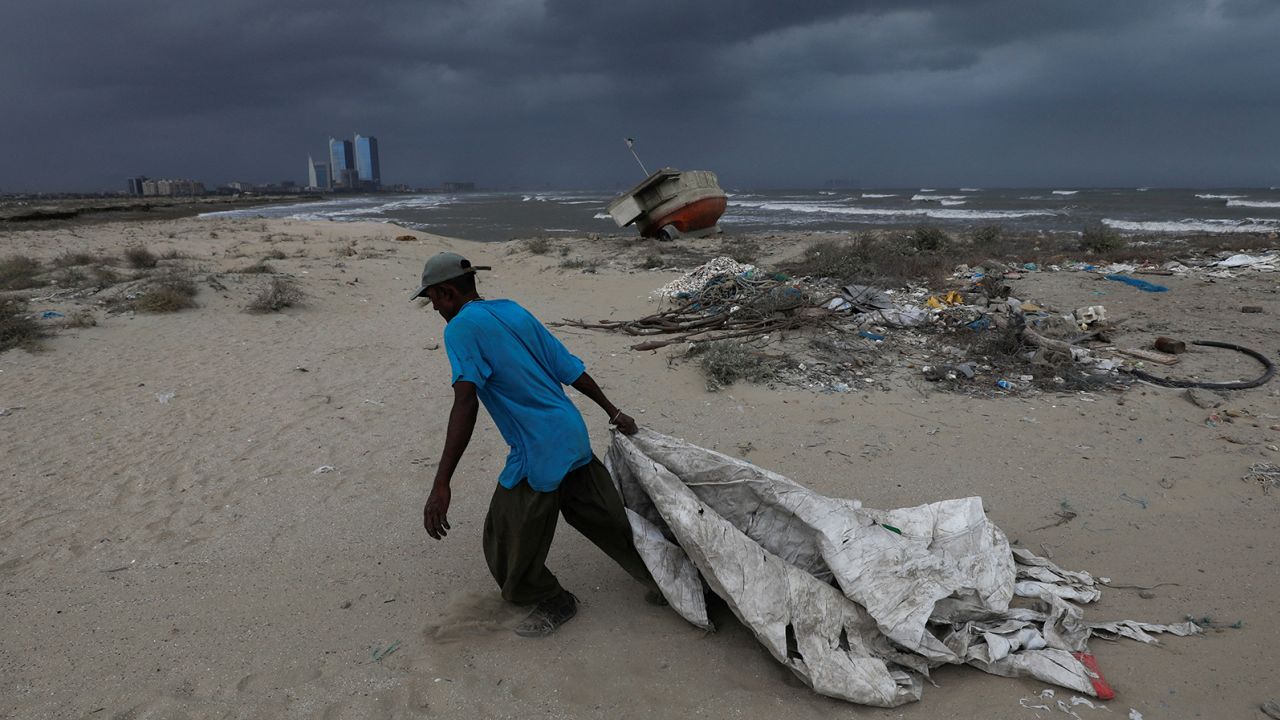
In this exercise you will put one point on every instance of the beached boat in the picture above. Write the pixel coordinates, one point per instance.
(670, 203)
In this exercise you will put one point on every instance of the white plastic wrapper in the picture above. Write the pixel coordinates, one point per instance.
(859, 603)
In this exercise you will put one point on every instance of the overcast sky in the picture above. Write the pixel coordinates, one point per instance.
(537, 93)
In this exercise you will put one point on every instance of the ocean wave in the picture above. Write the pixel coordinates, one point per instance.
(1253, 203)
(602, 216)
(938, 213)
(952, 202)
(1211, 196)
(876, 196)
(1249, 225)
(928, 189)
(970, 189)
(935, 198)
(1065, 192)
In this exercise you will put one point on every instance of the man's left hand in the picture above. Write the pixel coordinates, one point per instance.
(626, 424)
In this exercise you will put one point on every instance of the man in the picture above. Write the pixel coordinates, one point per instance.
(502, 356)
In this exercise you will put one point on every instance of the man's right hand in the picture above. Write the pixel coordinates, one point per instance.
(625, 424)
(435, 513)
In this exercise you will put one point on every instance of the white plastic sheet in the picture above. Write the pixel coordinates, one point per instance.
(859, 603)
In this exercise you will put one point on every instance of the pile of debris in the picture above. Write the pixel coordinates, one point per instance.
(721, 300)
(1017, 344)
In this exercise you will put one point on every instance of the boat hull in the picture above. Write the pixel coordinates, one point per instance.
(697, 215)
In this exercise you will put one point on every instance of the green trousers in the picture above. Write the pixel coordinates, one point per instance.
(522, 522)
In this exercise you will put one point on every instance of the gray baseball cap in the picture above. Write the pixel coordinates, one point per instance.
(444, 266)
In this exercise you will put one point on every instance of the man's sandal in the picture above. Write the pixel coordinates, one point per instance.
(549, 615)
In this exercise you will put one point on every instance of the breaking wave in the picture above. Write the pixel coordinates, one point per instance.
(1065, 192)
(935, 198)
(938, 213)
(970, 189)
(1254, 203)
(1211, 196)
(1250, 225)
(876, 196)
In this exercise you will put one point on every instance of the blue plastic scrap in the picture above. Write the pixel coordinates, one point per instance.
(1142, 285)
(870, 335)
(51, 314)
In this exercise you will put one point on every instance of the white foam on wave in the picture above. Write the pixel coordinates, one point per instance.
(970, 189)
(927, 189)
(939, 213)
(602, 216)
(1065, 192)
(1254, 203)
(876, 196)
(1211, 196)
(952, 202)
(1249, 225)
(934, 198)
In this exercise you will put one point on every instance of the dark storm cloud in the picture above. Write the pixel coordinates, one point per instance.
(522, 92)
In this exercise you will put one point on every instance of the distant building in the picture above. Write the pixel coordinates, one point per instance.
(368, 168)
(135, 185)
(342, 162)
(171, 188)
(318, 177)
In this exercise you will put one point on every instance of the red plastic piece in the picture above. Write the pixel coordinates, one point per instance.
(1100, 684)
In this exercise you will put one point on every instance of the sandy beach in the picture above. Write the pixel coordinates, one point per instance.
(218, 514)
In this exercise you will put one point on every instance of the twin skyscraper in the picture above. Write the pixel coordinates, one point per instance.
(352, 165)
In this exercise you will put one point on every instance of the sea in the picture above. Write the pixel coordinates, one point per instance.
(522, 214)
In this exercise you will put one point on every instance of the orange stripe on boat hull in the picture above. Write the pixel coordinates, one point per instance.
(697, 215)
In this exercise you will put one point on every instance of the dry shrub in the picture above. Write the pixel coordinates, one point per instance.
(653, 262)
(986, 235)
(872, 260)
(586, 265)
(280, 293)
(105, 275)
(348, 250)
(18, 272)
(79, 319)
(276, 254)
(1098, 238)
(140, 258)
(73, 259)
(725, 362)
(929, 240)
(744, 250)
(73, 277)
(167, 294)
(538, 245)
(17, 328)
(259, 268)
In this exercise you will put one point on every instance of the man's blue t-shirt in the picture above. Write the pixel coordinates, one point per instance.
(519, 369)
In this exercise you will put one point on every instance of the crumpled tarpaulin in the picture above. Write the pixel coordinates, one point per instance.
(859, 603)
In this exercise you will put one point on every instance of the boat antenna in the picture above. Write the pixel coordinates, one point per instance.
(631, 145)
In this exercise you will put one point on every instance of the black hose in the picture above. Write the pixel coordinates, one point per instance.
(1268, 372)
